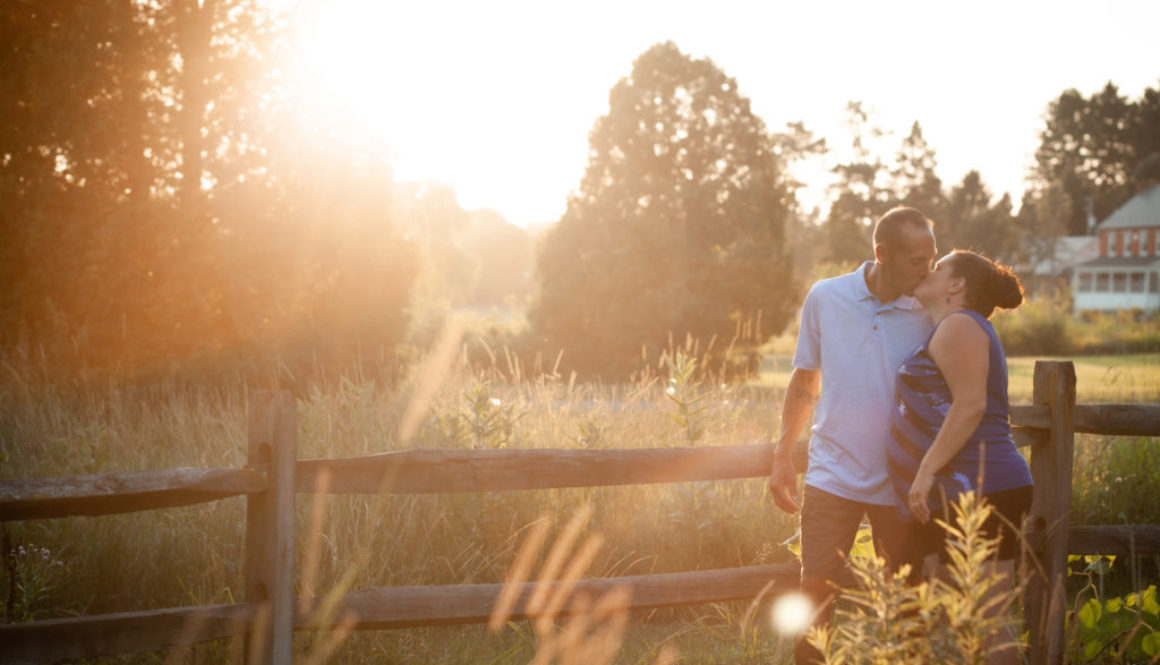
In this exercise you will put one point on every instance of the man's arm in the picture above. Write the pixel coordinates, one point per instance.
(800, 395)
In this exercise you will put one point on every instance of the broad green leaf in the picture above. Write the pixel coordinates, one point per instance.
(1151, 644)
(1089, 614)
(1148, 601)
(1113, 605)
(1091, 648)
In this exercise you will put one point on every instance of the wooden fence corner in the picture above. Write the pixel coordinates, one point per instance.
(272, 447)
(1045, 599)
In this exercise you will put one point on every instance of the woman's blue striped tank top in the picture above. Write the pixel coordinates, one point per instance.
(989, 462)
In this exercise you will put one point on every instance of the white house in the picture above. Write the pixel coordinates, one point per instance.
(1044, 276)
(1126, 274)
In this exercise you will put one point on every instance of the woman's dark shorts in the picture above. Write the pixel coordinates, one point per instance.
(1008, 507)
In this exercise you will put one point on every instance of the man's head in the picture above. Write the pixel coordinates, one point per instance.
(904, 247)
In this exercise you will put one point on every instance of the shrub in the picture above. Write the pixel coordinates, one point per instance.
(1041, 326)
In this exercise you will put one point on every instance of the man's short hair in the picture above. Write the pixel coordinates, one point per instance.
(887, 228)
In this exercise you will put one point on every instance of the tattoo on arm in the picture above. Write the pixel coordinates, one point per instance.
(803, 395)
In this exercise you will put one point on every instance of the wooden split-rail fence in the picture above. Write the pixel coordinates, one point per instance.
(273, 475)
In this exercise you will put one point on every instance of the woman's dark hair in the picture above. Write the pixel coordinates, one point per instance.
(989, 284)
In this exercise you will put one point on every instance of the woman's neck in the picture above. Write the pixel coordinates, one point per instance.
(939, 311)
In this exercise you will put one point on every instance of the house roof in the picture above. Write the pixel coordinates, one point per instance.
(1142, 210)
(1121, 262)
(1069, 252)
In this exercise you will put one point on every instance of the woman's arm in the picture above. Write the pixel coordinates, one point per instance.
(961, 350)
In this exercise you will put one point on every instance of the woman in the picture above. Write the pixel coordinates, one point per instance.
(950, 432)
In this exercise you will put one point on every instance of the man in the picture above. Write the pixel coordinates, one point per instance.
(856, 330)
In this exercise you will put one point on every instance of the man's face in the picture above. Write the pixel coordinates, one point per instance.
(907, 261)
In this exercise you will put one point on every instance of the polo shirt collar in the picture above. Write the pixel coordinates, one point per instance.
(862, 292)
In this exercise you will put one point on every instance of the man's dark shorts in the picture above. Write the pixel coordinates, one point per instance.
(829, 524)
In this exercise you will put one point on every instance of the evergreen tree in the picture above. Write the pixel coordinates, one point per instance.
(1092, 145)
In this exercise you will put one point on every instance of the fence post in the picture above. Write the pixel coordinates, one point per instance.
(1045, 599)
(272, 442)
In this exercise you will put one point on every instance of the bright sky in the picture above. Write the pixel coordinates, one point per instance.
(497, 98)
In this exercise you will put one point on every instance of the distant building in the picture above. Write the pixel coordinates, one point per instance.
(1126, 272)
(1044, 277)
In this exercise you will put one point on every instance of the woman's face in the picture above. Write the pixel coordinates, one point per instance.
(936, 286)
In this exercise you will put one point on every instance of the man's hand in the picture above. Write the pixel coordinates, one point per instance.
(799, 401)
(783, 483)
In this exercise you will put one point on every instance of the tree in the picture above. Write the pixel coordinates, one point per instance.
(914, 178)
(860, 195)
(677, 229)
(164, 207)
(504, 254)
(1092, 145)
(972, 221)
(76, 172)
(1042, 220)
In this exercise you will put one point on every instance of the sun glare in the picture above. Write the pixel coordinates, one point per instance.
(433, 95)
(792, 613)
(343, 67)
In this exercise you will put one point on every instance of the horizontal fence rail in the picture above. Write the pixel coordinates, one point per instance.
(409, 607)
(103, 635)
(441, 471)
(112, 493)
(431, 471)
(272, 476)
(376, 608)
(1109, 419)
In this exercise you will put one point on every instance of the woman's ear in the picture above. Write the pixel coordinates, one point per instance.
(957, 285)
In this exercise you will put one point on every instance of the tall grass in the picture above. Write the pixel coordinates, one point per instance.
(193, 555)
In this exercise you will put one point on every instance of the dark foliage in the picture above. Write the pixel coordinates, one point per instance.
(677, 230)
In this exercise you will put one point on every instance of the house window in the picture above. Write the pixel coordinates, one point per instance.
(1153, 283)
(1102, 282)
(1136, 282)
(1085, 282)
(1134, 244)
(1119, 282)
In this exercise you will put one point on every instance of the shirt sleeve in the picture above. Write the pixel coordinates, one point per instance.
(808, 354)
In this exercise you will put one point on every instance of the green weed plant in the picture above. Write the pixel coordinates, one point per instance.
(884, 620)
(1110, 629)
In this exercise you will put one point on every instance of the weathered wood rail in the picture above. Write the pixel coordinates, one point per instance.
(267, 619)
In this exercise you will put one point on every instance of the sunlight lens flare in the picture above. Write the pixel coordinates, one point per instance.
(792, 613)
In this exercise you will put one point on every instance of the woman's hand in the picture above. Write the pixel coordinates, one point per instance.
(919, 494)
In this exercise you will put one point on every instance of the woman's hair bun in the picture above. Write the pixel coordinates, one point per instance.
(1006, 289)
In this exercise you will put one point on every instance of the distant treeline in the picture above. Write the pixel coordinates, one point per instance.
(166, 205)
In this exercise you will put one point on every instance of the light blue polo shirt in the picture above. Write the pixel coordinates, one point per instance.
(859, 344)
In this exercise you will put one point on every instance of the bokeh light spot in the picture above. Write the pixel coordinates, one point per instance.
(792, 613)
